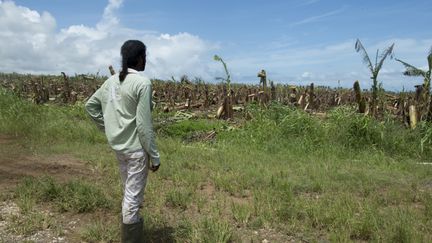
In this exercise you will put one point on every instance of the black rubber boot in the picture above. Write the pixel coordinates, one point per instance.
(132, 233)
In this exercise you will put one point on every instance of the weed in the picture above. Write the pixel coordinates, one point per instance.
(101, 231)
(185, 128)
(75, 196)
(366, 225)
(402, 230)
(179, 199)
(82, 197)
(427, 201)
(241, 213)
(30, 223)
(213, 230)
(184, 230)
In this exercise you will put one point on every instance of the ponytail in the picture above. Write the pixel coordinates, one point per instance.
(131, 52)
(124, 71)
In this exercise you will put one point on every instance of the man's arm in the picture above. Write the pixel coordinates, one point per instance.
(94, 109)
(145, 124)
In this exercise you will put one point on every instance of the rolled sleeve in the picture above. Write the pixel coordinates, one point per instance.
(145, 125)
(94, 109)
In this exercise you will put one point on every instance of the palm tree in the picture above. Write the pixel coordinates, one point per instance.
(374, 68)
(413, 71)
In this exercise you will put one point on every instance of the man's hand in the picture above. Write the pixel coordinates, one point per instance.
(154, 168)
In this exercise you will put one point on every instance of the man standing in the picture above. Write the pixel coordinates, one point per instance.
(122, 108)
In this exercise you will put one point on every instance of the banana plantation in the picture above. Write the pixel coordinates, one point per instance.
(226, 100)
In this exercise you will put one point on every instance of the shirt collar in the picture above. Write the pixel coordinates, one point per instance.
(131, 70)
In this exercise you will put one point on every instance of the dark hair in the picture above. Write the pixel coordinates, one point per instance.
(131, 51)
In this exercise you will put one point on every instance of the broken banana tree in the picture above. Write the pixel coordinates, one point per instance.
(111, 69)
(359, 98)
(424, 101)
(225, 111)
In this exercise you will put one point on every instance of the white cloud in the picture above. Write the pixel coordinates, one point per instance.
(317, 18)
(172, 51)
(30, 43)
(109, 19)
(306, 75)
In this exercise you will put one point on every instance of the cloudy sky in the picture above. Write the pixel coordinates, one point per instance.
(296, 42)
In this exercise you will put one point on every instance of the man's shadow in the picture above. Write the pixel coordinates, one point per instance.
(163, 234)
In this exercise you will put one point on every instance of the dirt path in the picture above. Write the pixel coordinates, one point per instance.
(17, 162)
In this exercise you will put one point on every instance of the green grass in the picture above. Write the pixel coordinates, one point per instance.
(343, 178)
(101, 230)
(30, 223)
(178, 198)
(215, 230)
(46, 124)
(73, 196)
(184, 129)
(241, 213)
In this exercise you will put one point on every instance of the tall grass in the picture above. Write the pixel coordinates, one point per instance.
(343, 131)
(274, 129)
(45, 123)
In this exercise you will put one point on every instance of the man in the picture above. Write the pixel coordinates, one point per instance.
(122, 108)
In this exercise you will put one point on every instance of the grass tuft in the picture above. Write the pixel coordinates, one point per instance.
(213, 230)
(73, 196)
(101, 231)
(178, 199)
(30, 223)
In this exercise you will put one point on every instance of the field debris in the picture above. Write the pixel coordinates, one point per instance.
(183, 115)
(201, 137)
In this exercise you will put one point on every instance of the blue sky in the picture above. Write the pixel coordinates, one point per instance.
(297, 42)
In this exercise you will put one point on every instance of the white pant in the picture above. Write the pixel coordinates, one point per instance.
(133, 170)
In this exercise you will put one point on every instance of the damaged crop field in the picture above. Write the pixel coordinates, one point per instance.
(238, 164)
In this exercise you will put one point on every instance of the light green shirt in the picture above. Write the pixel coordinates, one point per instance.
(123, 111)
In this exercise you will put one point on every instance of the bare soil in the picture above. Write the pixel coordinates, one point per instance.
(17, 162)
